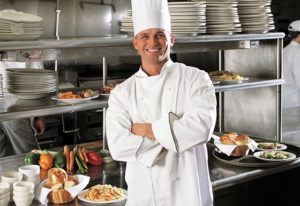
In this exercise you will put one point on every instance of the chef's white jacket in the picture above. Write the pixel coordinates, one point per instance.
(172, 170)
(291, 74)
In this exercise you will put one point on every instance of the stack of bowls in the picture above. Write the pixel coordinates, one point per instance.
(11, 178)
(31, 173)
(4, 193)
(23, 193)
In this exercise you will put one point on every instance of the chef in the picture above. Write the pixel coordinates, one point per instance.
(159, 119)
(291, 68)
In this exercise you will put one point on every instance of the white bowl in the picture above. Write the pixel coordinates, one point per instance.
(23, 186)
(4, 202)
(11, 177)
(4, 196)
(23, 201)
(32, 179)
(4, 187)
(30, 170)
(23, 194)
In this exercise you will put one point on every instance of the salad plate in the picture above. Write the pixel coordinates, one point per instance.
(274, 156)
(271, 146)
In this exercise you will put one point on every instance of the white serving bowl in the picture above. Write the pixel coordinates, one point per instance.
(4, 196)
(30, 170)
(23, 186)
(4, 202)
(11, 177)
(23, 194)
(23, 201)
(32, 179)
(4, 188)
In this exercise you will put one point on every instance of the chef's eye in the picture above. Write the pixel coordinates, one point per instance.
(160, 35)
(144, 36)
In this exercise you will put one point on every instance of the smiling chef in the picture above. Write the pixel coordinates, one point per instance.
(159, 120)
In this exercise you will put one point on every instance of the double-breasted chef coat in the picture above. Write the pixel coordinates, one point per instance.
(291, 74)
(181, 105)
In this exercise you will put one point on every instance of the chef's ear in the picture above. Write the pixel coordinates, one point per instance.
(134, 42)
(172, 39)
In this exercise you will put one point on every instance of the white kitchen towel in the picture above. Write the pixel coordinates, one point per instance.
(42, 192)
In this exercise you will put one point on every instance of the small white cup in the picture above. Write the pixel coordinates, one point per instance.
(23, 186)
(30, 170)
(4, 202)
(11, 177)
(22, 194)
(4, 188)
(23, 201)
(4, 196)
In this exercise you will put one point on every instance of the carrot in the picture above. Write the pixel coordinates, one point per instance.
(72, 157)
(86, 159)
(67, 154)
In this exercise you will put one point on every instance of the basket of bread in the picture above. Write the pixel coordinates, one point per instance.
(235, 145)
(59, 187)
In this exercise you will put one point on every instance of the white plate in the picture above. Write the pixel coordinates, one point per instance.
(104, 95)
(257, 155)
(282, 146)
(230, 81)
(73, 101)
(82, 193)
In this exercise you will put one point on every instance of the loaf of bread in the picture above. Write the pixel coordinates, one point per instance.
(58, 181)
(241, 141)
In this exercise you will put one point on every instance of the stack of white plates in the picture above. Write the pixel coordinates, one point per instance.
(222, 17)
(30, 83)
(1, 86)
(187, 19)
(255, 16)
(16, 25)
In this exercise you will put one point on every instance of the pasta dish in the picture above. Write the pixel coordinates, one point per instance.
(103, 193)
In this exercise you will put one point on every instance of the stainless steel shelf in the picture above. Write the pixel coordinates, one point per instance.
(117, 46)
(13, 108)
(252, 83)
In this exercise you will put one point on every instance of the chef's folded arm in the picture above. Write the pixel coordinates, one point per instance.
(195, 125)
(122, 143)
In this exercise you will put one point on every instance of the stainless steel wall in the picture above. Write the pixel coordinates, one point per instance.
(78, 18)
(252, 111)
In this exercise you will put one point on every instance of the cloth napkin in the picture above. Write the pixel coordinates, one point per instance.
(227, 149)
(42, 192)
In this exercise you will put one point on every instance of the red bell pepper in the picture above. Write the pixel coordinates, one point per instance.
(94, 158)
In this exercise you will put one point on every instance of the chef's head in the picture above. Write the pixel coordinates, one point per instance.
(294, 29)
(152, 28)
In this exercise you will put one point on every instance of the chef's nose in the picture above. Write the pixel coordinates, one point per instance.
(153, 40)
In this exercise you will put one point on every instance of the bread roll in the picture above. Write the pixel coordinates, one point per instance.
(240, 150)
(57, 176)
(225, 139)
(242, 139)
(59, 196)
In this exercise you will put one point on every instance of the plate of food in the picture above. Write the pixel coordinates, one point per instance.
(103, 194)
(274, 155)
(226, 77)
(75, 97)
(107, 89)
(270, 146)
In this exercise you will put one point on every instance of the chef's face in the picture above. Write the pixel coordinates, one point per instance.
(153, 45)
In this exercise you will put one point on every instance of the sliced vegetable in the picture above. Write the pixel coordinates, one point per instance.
(32, 159)
(46, 161)
(94, 158)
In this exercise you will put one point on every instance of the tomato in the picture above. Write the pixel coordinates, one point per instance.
(46, 161)
(94, 158)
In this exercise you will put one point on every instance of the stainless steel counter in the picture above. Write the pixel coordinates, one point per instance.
(222, 175)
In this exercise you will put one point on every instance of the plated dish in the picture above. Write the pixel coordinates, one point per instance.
(73, 101)
(270, 146)
(274, 155)
(227, 77)
(103, 194)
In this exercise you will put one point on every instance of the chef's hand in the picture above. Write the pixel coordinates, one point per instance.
(40, 125)
(144, 129)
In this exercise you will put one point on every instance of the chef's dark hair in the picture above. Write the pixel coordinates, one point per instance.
(293, 34)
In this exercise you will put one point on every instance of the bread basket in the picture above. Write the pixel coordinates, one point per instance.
(60, 196)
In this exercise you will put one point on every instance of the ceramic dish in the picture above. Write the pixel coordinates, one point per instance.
(270, 146)
(82, 198)
(73, 101)
(291, 156)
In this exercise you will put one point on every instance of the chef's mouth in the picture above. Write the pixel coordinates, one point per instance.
(153, 50)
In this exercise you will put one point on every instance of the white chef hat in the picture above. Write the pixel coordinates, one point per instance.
(148, 14)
